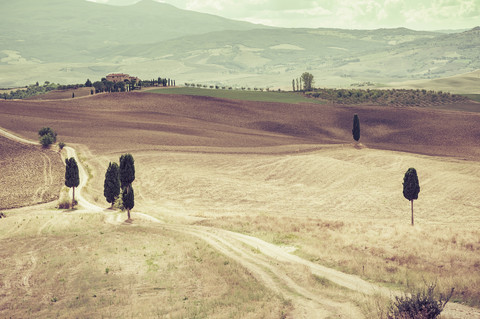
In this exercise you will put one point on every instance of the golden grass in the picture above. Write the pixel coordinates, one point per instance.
(341, 207)
(73, 264)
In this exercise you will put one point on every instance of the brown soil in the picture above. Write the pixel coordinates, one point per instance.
(134, 121)
(28, 174)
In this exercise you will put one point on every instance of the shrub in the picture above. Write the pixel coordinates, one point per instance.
(65, 203)
(419, 305)
(61, 145)
(47, 136)
(46, 140)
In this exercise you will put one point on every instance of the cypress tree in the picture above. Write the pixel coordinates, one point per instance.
(411, 187)
(356, 128)
(72, 178)
(128, 199)
(111, 186)
(127, 176)
(293, 85)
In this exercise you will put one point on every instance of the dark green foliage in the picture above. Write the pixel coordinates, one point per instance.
(411, 187)
(394, 97)
(99, 86)
(72, 178)
(356, 128)
(31, 90)
(293, 85)
(47, 136)
(46, 140)
(111, 186)
(419, 305)
(307, 79)
(88, 83)
(128, 198)
(73, 95)
(127, 170)
(61, 145)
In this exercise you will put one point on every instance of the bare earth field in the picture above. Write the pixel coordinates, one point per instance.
(28, 174)
(209, 170)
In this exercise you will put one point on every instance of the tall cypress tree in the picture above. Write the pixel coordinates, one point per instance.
(356, 128)
(111, 186)
(411, 187)
(127, 176)
(72, 178)
(128, 199)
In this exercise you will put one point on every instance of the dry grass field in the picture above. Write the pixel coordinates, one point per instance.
(287, 174)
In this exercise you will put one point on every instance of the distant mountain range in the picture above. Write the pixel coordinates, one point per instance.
(69, 41)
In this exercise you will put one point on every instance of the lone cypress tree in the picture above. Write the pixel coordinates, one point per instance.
(111, 186)
(127, 176)
(411, 187)
(72, 178)
(356, 128)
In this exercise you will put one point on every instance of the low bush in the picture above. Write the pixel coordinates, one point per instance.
(422, 304)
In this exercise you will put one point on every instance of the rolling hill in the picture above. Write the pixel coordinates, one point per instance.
(69, 41)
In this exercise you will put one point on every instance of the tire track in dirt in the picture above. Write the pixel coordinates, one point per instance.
(40, 191)
(263, 265)
(269, 271)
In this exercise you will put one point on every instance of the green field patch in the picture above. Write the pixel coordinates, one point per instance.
(474, 97)
(259, 96)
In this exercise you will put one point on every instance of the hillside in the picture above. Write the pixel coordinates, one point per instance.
(245, 209)
(151, 39)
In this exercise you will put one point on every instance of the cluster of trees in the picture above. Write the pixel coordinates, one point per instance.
(28, 91)
(304, 83)
(394, 97)
(118, 181)
(108, 86)
(117, 185)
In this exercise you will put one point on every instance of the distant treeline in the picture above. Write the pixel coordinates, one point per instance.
(224, 87)
(395, 97)
(36, 89)
(97, 87)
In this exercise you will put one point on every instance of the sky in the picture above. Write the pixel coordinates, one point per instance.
(345, 14)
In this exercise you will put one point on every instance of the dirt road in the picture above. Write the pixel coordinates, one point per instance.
(270, 264)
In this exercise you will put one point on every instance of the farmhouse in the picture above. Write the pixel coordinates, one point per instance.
(121, 77)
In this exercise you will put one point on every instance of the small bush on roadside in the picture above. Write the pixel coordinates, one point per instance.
(61, 145)
(422, 304)
(66, 203)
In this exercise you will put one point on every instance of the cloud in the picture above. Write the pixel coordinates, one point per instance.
(360, 14)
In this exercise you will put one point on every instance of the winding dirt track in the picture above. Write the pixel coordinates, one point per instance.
(267, 262)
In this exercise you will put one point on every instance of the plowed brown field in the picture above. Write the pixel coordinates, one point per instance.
(146, 121)
(28, 174)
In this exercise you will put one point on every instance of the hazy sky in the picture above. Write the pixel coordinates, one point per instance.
(350, 14)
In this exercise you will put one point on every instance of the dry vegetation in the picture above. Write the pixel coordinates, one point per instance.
(285, 173)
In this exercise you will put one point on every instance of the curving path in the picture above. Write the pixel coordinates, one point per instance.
(269, 263)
